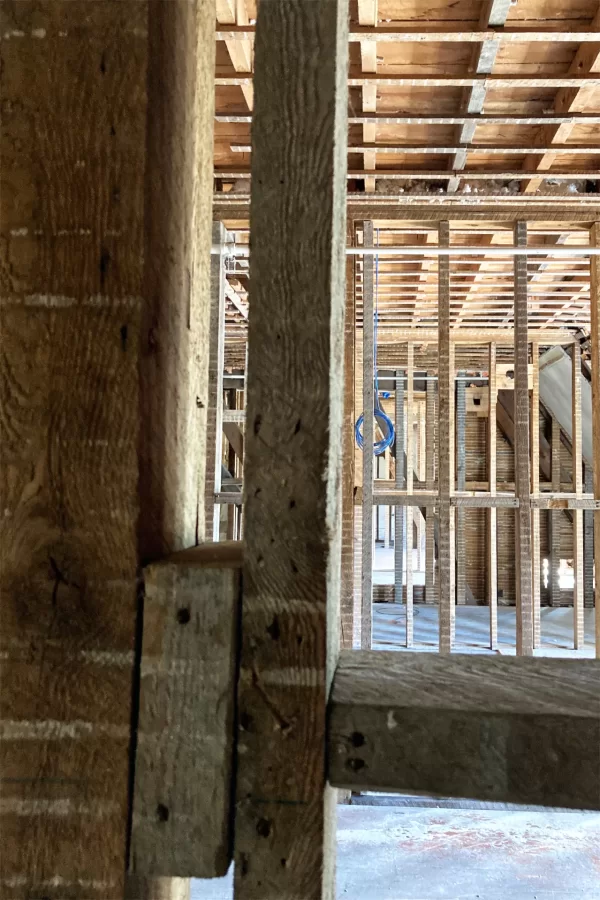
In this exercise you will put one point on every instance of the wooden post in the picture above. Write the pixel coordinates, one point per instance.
(535, 489)
(461, 549)
(430, 481)
(285, 812)
(347, 598)
(366, 618)
(400, 483)
(102, 462)
(410, 459)
(595, 367)
(214, 423)
(492, 542)
(577, 467)
(422, 427)
(588, 542)
(554, 517)
(523, 547)
(447, 607)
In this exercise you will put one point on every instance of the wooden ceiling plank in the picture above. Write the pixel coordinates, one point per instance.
(367, 16)
(240, 51)
(494, 14)
(586, 62)
(366, 34)
(576, 118)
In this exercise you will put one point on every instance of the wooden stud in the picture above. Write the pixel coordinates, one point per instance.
(577, 464)
(588, 542)
(554, 518)
(285, 811)
(215, 416)
(492, 541)
(446, 579)
(465, 726)
(366, 619)
(400, 482)
(430, 596)
(347, 598)
(410, 457)
(523, 547)
(595, 375)
(422, 475)
(187, 712)
(535, 488)
(461, 549)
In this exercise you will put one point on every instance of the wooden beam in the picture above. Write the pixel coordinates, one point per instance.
(577, 464)
(431, 446)
(239, 44)
(89, 490)
(595, 375)
(587, 60)
(492, 519)
(216, 364)
(366, 618)
(367, 17)
(382, 118)
(464, 726)
(461, 423)
(477, 174)
(535, 488)
(447, 608)
(507, 82)
(349, 453)
(494, 13)
(400, 483)
(554, 518)
(499, 149)
(410, 460)
(449, 32)
(285, 812)
(523, 545)
(189, 651)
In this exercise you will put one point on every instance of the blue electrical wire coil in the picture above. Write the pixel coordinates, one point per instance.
(386, 426)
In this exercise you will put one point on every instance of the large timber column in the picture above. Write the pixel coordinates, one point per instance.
(102, 443)
(523, 542)
(595, 366)
(447, 605)
(285, 812)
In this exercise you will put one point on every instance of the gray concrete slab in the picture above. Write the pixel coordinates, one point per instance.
(447, 854)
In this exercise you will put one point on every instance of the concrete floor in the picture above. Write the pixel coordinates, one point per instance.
(387, 853)
(472, 630)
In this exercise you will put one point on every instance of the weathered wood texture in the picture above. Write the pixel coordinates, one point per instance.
(577, 466)
(446, 579)
(285, 812)
(523, 543)
(175, 325)
(461, 437)
(348, 466)
(214, 413)
(492, 534)
(79, 315)
(430, 419)
(595, 373)
(555, 519)
(368, 281)
(535, 488)
(511, 730)
(182, 813)
(71, 276)
(400, 483)
(410, 465)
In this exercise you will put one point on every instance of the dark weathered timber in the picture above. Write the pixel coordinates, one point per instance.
(285, 813)
(523, 543)
(185, 743)
(512, 730)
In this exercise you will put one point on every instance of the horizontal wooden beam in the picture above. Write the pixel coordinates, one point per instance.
(492, 81)
(518, 730)
(408, 149)
(443, 174)
(386, 119)
(437, 34)
(423, 500)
